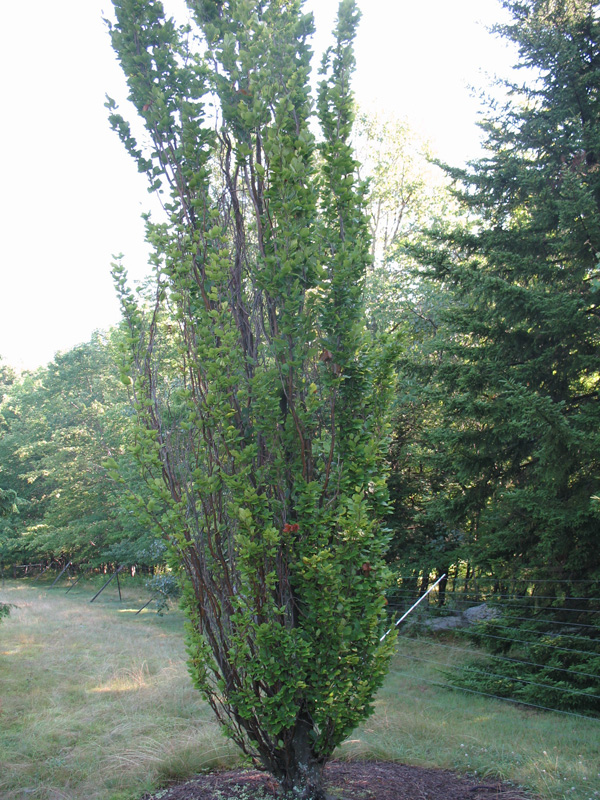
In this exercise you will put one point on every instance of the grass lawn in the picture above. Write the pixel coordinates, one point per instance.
(96, 703)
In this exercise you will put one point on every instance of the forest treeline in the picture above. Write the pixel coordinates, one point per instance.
(59, 425)
(487, 281)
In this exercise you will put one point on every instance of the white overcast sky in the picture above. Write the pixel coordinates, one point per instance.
(70, 195)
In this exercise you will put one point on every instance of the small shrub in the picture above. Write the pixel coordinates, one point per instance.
(5, 610)
(165, 588)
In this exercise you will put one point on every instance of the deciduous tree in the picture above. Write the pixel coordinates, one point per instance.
(262, 439)
(58, 425)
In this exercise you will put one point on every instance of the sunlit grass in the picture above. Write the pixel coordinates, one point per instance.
(96, 703)
(554, 756)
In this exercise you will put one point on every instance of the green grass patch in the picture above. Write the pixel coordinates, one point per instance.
(96, 702)
(417, 722)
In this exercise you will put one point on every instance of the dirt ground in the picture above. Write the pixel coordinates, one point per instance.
(354, 780)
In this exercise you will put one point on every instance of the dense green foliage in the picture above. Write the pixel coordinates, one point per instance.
(58, 425)
(511, 373)
(8, 504)
(262, 438)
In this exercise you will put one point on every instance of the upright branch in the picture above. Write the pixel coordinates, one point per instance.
(261, 409)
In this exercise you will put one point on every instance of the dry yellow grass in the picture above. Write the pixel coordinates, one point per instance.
(97, 704)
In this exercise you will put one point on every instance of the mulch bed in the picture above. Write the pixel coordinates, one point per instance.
(349, 780)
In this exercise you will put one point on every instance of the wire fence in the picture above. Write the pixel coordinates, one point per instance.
(114, 582)
(535, 643)
(444, 686)
(536, 650)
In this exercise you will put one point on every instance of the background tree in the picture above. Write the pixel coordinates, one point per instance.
(59, 424)
(408, 193)
(519, 375)
(8, 497)
(263, 445)
(515, 376)
(8, 502)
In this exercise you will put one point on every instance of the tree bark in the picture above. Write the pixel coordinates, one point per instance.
(302, 776)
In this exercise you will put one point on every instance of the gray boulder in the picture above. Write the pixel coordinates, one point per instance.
(463, 619)
(480, 613)
(446, 623)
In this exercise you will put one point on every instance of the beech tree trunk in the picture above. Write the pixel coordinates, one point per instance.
(301, 775)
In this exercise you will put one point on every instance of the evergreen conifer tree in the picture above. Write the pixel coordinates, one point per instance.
(518, 369)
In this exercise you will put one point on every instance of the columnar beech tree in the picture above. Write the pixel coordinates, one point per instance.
(261, 423)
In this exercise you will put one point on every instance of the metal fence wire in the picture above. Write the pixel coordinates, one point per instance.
(535, 643)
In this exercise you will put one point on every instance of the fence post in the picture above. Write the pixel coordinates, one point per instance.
(107, 582)
(144, 606)
(74, 584)
(43, 571)
(61, 573)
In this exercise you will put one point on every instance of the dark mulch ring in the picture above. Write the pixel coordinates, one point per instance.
(352, 780)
